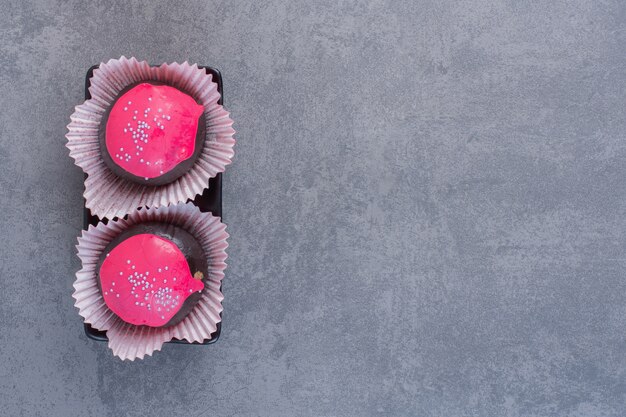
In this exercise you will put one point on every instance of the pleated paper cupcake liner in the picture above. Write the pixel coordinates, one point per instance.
(128, 341)
(106, 194)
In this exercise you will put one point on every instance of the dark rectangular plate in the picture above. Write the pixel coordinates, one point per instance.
(209, 201)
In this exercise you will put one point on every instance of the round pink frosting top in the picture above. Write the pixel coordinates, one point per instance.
(146, 279)
(151, 129)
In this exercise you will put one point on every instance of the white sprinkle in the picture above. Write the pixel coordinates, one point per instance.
(125, 130)
(108, 255)
(125, 108)
(141, 160)
(128, 261)
(147, 178)
(134, 117)
(164, 281)
(149, 98)
(174, 278)
(133, 267)
(163, 317)
(162, 127)
(167, 267)
(159, 269)
(168, 117)
(130, 102)
(136, 303)
(106, 293)
(117, 295)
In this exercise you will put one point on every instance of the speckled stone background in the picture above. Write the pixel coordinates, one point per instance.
(427, 209)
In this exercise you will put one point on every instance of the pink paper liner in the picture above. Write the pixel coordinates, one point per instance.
(108, 195)
(128, 341)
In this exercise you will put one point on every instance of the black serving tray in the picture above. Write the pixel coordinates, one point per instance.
(209, 201)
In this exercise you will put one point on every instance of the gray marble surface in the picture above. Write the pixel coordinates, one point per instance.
(426, 207)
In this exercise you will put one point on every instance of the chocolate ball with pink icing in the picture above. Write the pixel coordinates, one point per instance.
(152, 274)
(152, 134)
